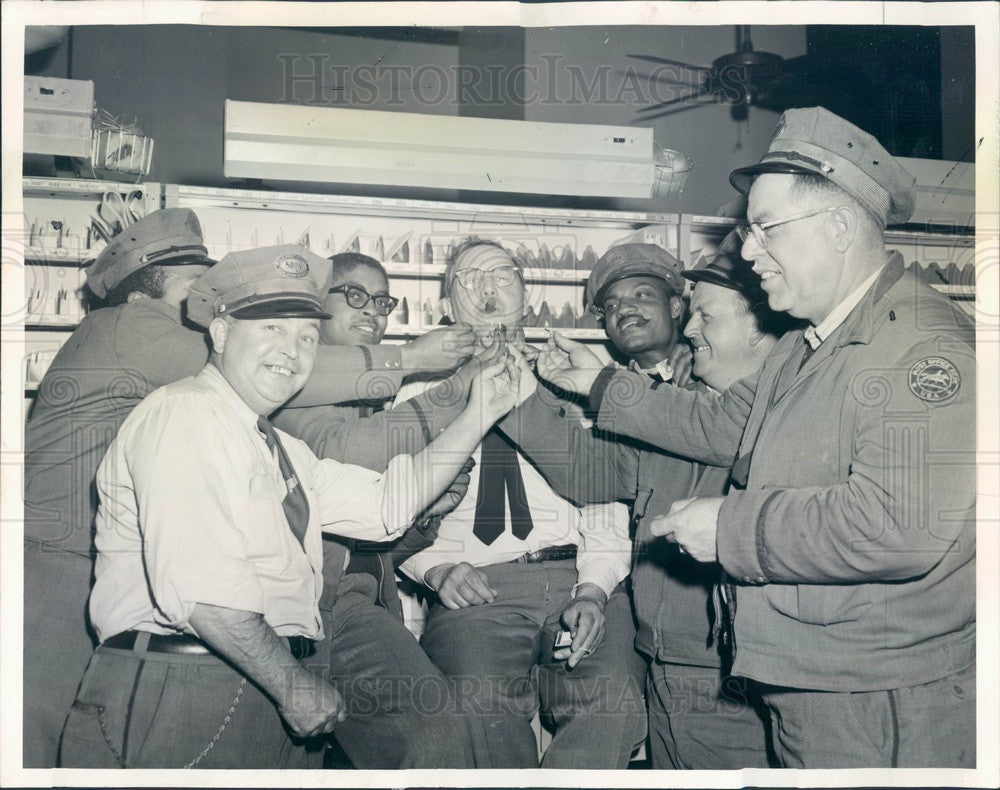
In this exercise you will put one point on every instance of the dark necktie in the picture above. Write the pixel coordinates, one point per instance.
(499, 471)
(806, 354)
(294, 504)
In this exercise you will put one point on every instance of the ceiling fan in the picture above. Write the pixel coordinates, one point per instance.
(740, 79)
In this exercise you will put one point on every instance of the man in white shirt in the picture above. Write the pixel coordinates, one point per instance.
(209, 566)
(514, 565)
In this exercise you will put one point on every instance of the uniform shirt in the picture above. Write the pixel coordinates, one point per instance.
(190, 512)
(114, 359)
(600, 531)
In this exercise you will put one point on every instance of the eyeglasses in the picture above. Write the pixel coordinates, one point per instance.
(358, 297)
(501, 276)
(758, 229)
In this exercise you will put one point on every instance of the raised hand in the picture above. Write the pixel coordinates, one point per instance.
(569, 365)
(443, 348)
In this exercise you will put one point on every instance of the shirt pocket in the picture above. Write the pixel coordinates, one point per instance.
(267, 534)
(820, 604)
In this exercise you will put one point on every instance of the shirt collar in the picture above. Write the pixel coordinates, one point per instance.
(212, 377)
(817, 334)
(663, 369)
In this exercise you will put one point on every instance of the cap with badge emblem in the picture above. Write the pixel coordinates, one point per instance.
(632, 260)
(814, 140)
(284, 281)
(166, 237)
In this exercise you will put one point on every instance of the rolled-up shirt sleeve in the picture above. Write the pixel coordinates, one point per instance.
(195, 548)
(605, 550)
(358, 503)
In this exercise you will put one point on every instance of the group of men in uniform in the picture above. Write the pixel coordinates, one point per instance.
(791, 583)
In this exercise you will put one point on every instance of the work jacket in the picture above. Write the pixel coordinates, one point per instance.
(671, 592)
(853, 541)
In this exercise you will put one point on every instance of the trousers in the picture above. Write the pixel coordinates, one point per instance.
(492, 653)
(931, 725)
(700, 720)
(57, 644)
(401, 711)
(138, 709)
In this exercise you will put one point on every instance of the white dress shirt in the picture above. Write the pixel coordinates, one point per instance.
(190, 512)
(599, 531)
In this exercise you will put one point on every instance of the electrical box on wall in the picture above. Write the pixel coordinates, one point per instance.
(334, 145)
(58, 116)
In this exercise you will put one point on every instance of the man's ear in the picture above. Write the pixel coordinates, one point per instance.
(218, 330)
(845, 223)
(676, 307)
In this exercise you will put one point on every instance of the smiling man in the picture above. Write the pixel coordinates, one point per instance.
(209, 565)
(850, 528)
(359, 578)
(638, 288)
(699, 718)
(515, 564)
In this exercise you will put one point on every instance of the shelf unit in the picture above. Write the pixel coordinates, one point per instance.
(413, 238)
(557, 247)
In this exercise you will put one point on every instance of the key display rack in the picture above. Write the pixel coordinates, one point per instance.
(63, 220)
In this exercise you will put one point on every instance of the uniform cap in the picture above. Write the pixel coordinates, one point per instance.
(284, 281)
(814, 140)
(166, 237)
(632, 260)
(726, 268)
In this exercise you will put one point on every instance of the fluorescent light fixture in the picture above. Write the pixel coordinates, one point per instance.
(346, 146)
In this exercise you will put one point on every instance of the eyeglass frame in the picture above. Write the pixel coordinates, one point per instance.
(758, 229)
(515, 270)
(344, 289)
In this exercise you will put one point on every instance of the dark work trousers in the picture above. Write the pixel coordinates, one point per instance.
(57, 644)
(138, 709)
(401, 711)
(932, 725)
(699, 720)
(491, 652)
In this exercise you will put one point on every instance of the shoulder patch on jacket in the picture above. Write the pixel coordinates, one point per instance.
(934, 379)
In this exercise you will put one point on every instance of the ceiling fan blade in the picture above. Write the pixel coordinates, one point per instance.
(670, 102)
(668, 62)
(706, 99)
(693, 82)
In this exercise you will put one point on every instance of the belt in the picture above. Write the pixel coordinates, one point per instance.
(188, 645)
(549, 554)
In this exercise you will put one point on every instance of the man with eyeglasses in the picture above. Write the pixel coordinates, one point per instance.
(514, 566)
(359, 578)
(850, 529)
